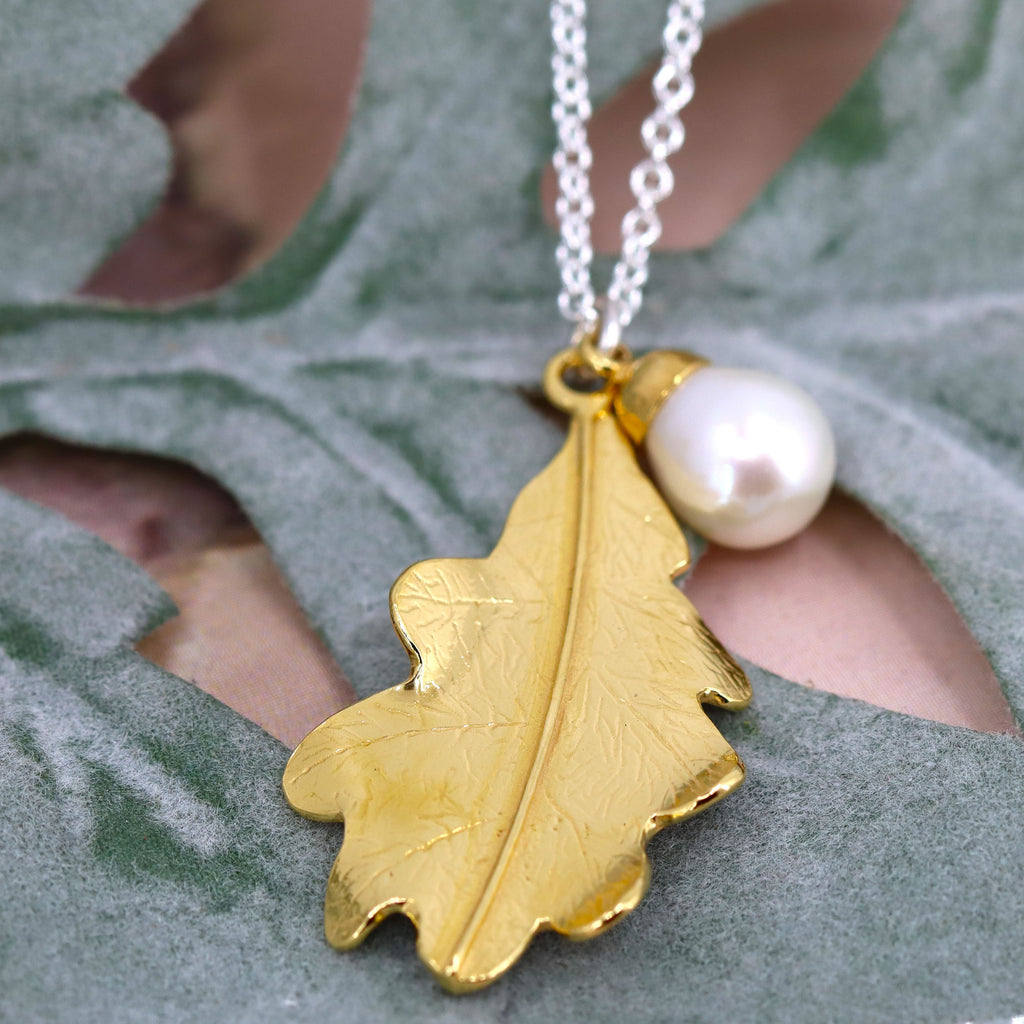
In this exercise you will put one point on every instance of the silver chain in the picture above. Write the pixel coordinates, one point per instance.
(651, 180)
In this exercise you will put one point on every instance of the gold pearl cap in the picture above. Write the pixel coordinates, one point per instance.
(652, 378)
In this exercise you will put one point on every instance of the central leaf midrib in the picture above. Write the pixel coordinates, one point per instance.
(583, 429)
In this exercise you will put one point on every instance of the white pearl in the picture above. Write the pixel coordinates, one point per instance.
(744, 457)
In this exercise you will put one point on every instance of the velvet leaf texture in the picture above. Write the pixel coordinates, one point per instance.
(362, 395)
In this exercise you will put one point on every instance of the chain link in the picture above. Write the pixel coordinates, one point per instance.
(651, 180)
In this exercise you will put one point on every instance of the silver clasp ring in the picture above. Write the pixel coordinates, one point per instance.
(609, 330)
(598, 339)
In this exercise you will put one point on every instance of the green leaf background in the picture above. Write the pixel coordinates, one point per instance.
(362, 396)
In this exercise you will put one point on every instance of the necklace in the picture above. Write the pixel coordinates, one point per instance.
(552, 720)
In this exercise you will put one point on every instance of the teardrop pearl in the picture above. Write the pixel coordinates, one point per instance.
(744, 457)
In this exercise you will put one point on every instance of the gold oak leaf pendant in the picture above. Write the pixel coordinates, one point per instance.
(551, 724)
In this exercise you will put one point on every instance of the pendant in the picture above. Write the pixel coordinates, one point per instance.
(552, 721)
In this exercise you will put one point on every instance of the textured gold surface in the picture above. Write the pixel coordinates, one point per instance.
(651, 379)
(551, 724)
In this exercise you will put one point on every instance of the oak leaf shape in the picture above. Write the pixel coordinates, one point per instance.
(551, 725)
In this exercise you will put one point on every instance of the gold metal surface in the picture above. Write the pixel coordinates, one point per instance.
(652, 378)
(551, 723)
